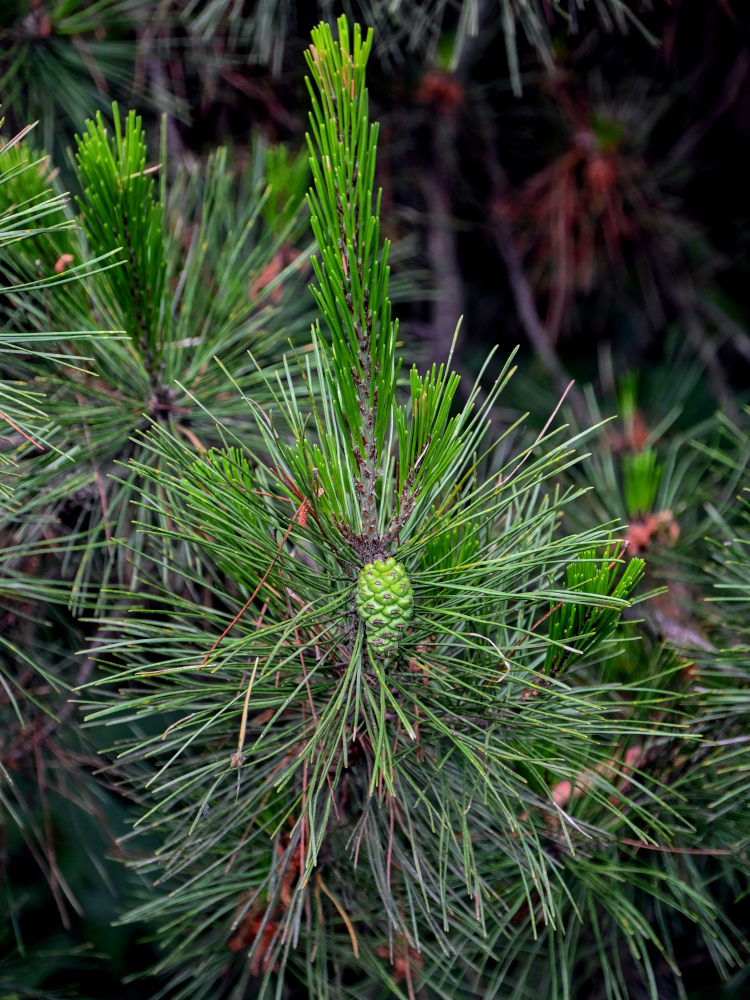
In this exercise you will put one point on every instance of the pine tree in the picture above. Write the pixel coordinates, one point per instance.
(379, 721)
(38, 663)
(102, 313)
(186, 282)
(357, 676)
(24, 217)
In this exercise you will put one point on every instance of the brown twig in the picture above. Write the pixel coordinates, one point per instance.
(526, 309)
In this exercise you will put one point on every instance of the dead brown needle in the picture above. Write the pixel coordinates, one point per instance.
(236, 760)
(342, 913)
(301, 512)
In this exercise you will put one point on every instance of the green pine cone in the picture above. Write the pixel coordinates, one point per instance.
(385, 602)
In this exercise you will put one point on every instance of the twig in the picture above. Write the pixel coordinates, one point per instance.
(734, 81)
(709, 852)
(85, 671)
(529, 316)
(303, 506)
(100, 484)
(6, 418)
(522, 295)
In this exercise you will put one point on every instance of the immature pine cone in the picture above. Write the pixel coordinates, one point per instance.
(385, 602)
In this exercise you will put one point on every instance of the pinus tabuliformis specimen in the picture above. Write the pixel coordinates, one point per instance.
(437, 808)
(195, 278)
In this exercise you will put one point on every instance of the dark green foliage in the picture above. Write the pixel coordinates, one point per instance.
(60, 60)
(193, 287)
(449, 817)
(529, 781)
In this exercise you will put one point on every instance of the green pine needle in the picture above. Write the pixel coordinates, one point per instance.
(460, 798)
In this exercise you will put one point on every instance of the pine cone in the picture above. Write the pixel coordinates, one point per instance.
(385, 602)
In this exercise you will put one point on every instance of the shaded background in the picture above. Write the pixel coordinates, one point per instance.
(576, 186)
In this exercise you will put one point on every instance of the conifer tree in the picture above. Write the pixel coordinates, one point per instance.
(102, 313)
(354, 665)
(24, 216)
(186, 281)
(38, 667)
(378, 723)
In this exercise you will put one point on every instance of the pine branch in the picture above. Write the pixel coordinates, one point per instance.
(353, 292)
(199, 276)
(119, 209)
(386, 738)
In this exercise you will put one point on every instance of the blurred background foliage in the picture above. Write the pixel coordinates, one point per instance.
(570, 177)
